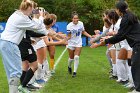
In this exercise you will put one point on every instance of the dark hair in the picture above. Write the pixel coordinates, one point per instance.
(74, 13)
(48, 21)
(113, 15)
(122, 6)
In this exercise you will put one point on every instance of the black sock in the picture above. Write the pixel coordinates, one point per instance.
(28, 77)
(22, 76)
(129, 62)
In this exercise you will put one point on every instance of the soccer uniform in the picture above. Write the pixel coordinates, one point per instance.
(41, 42)
(121, 64)
(26, 48)
(76, 32)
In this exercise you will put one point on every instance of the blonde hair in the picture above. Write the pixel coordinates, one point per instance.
(25, 4)
(53, 16)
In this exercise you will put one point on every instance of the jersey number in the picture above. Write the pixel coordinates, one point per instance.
(77, 34)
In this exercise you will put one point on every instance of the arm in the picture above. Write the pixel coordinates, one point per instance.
(48, 43)
(34, 34)
(25, 23)
(122, 33)
(96, 39)
(86, 34)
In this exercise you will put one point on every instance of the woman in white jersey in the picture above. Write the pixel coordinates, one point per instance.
(75, 29)
(121, 51)
(16, 27)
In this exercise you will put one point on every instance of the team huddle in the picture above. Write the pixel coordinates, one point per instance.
(31, 31)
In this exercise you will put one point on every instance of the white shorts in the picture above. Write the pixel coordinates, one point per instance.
(129, 48)
(40, 44)
(73, 47)
(112, 47)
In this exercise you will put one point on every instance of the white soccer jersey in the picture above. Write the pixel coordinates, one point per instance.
(17, 25)
(76, 32)
(121, 44)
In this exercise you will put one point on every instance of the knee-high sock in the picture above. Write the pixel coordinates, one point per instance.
(126, 69)
(28, 77)
(114, 70)
(39, 72)
(70, 62)
(46, 66)
(51, 64)
(22, 76)
(13, 85)
(76, 62)
(109, 58)
(121, 71)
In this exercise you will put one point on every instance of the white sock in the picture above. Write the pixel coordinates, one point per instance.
(46, 66)
(70, 62)
(126, 69)
(76, 62)
(114, 70)
(13, 85)
(39, 72)
(121, 71)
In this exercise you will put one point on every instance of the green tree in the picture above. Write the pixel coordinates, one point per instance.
(7, 7)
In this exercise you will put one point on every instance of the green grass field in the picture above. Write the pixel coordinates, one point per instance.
(92, 75)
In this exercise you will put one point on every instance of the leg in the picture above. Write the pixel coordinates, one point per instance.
(12, 64)
(108, 57)
(136, 67)
(70, 60)
(51, 50)
(25, 67)
(113, 58)
(41, 57)
(77, 53)
(121, 65)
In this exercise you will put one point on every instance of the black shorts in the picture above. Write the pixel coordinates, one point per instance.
(31, 58)
(28, 53)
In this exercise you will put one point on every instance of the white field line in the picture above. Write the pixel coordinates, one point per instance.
(56, 63)
(59, 58)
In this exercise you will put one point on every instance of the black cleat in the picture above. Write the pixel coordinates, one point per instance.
(123, 82)
(113, 77)
(74, 74)
(69, 70)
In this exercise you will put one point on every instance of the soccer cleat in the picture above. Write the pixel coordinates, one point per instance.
(37, 85)
(52, 72)
(74, 74)
(69, 70)
(123, 82)
(31, 87)
(40, 81)
(113, 77)
(23, 89)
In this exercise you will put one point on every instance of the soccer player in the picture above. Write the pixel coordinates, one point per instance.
(75, 29)
(51, 49)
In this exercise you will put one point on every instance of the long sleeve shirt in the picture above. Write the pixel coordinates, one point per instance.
(128, 30)
(17, 25)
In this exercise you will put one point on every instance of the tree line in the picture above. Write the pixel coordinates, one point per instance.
(90, 11)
